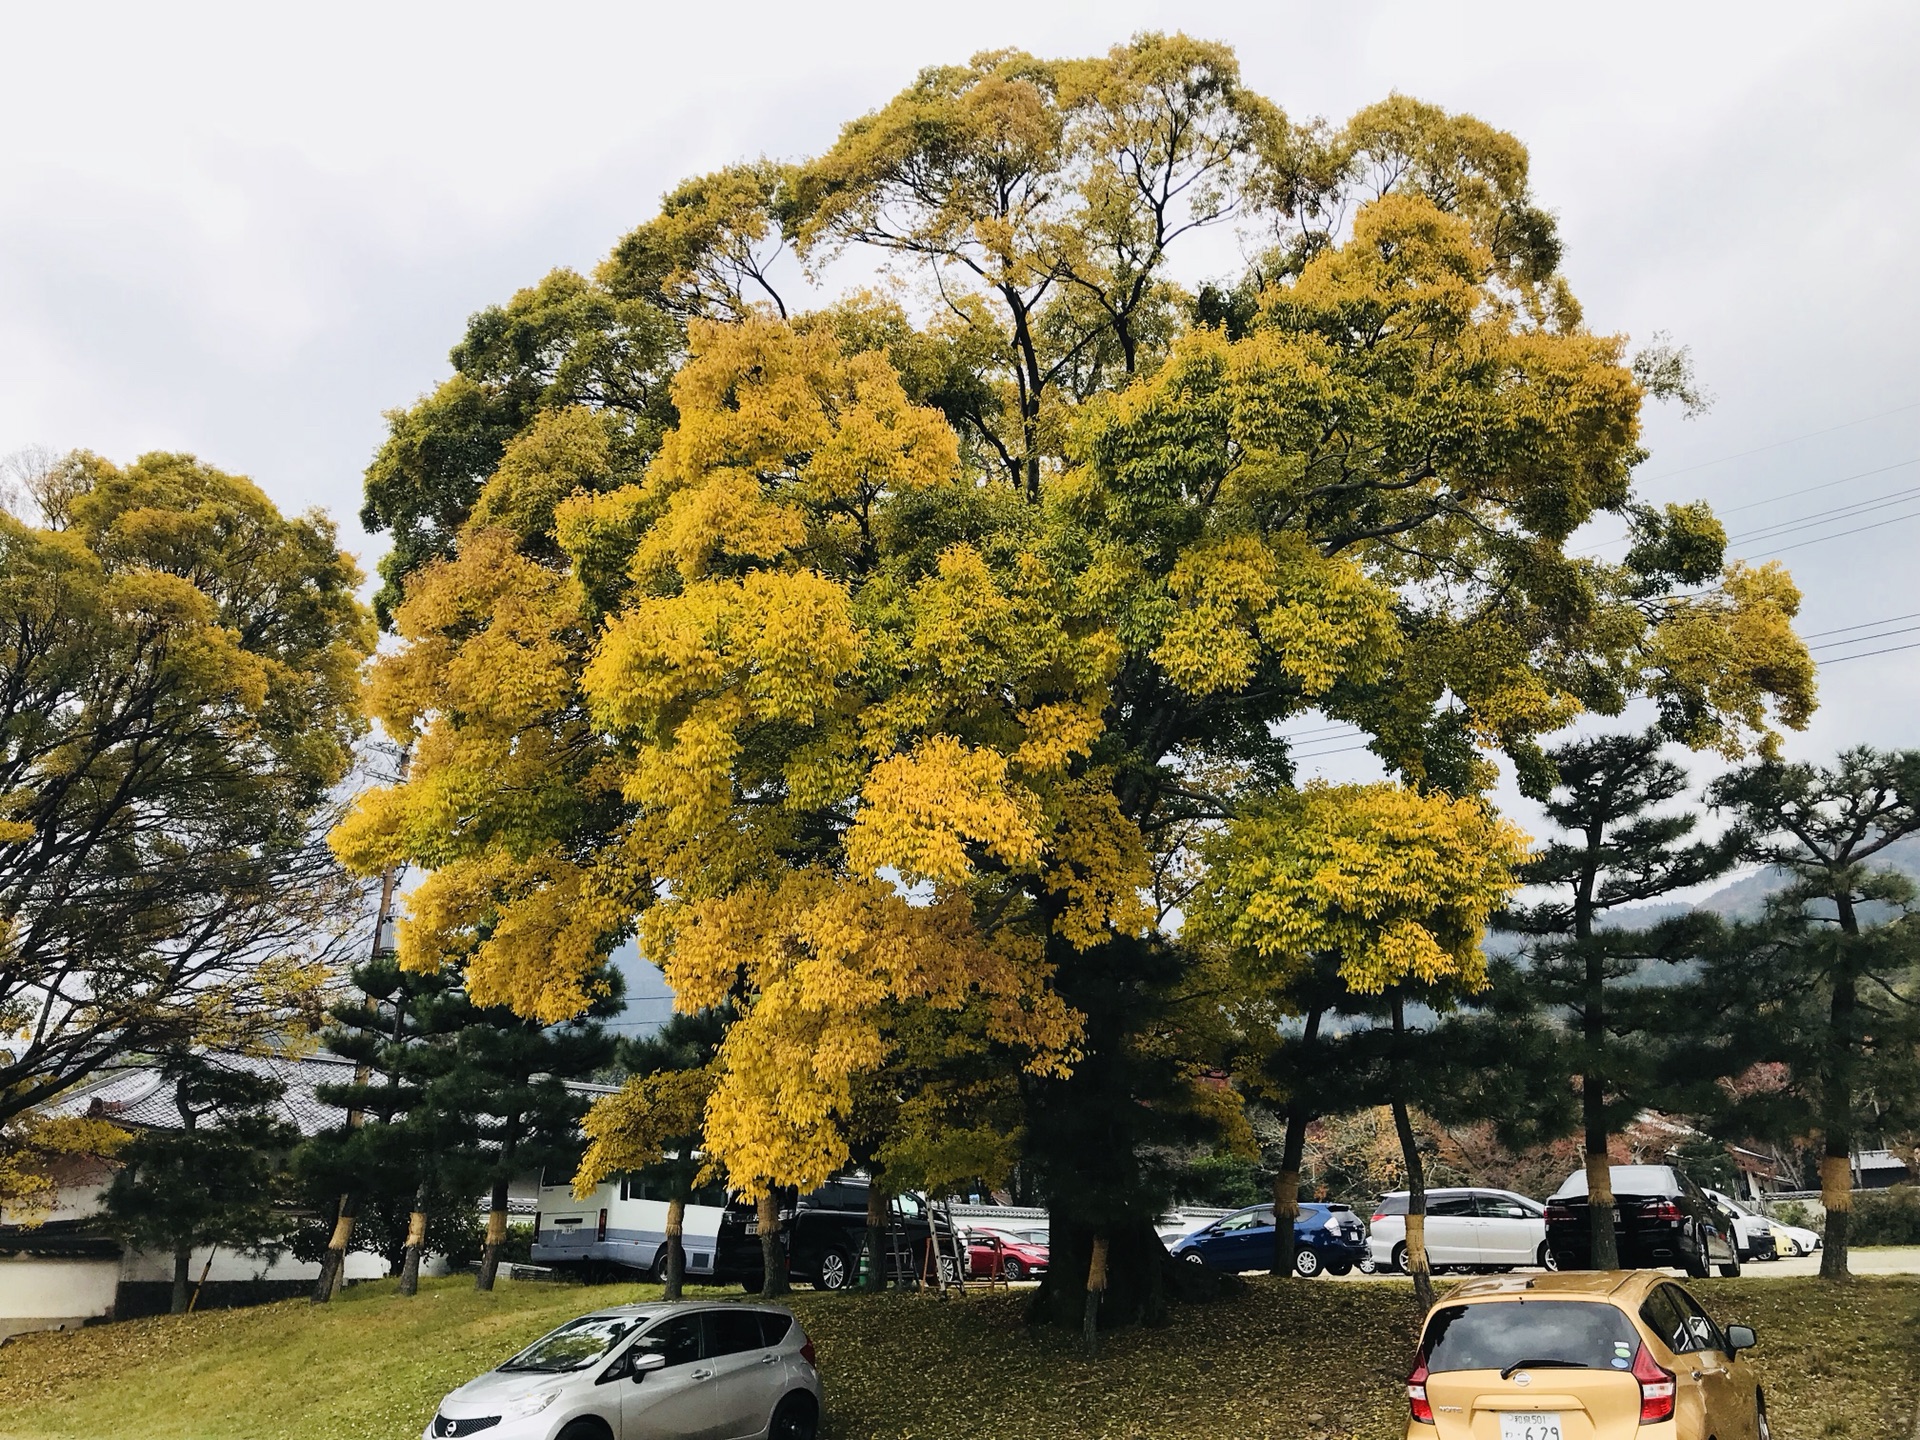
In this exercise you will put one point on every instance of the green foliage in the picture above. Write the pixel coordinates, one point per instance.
(219, 1179)
(1225, 1179)
(1886, 1217)
(179, 696)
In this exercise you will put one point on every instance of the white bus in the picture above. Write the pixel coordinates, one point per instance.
(624, 1223)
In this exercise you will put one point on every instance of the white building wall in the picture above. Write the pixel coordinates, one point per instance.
(38, 1294)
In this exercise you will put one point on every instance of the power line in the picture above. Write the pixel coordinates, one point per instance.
(1866, 639)
(1790, 494)
(1891, 649)
(1837, 535)
(1822, 517)
(1863, 625)
(1823, 485)
(1790, 440)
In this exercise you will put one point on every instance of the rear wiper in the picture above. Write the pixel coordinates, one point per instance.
(1507, 1374)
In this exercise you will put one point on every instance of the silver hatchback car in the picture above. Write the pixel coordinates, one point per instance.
(683, 1371)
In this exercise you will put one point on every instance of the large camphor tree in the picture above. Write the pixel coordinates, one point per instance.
(178, 702)
(875, 678)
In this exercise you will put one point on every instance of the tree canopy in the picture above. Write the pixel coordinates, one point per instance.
(178, 697)
(878, 691)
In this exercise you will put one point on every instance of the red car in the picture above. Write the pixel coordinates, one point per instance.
(1015, 1254)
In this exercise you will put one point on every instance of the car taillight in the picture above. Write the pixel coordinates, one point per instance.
(1417, 1403)
(806, 1353)
(1656, 1388)
(1378, 1216)
(1559, 1212)
(1660, 1210)
(600, 1230)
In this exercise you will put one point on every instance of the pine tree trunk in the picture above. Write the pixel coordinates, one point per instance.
(773, 1254)
(334, 1263)
(1605, 1253)
(1096, 1292)
(877, 1258)
(416, 1243)
(1836, 1169)
(496, 1237)
(1416, 1241)
(1286, 1183)
(182, 1267)
(676, 1252)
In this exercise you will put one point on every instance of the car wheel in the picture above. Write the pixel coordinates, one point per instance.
(585, 1428)
(1399, 1261)
(658, 1273)
(1367, 1266)
(836, 1271)
(949, 1271)
(1339, 1267)
(1546, 1259)
(1012, 1269)
(1697, 1265)
(1732, 1271)
(1306, 1263)
(1192, 1257)
(796, 1418)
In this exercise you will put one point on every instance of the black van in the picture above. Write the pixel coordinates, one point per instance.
(1660, 1217)
(824, 1231)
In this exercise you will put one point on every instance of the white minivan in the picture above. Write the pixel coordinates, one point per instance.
(1470, 1229)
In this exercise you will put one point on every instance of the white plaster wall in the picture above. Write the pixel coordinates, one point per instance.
(39, 1291)
(233, 1265)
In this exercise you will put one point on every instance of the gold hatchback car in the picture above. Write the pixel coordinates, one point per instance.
(1607, 1355)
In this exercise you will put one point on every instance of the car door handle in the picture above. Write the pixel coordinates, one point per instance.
(767, 1359)
(708, 1375)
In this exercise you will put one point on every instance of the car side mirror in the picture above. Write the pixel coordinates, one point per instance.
(1741, 1337)
(642, 1366)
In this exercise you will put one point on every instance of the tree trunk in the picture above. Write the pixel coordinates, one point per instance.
(1286, 1183)
(773, 1254)
(1836, 1193)
(334, 1263)
(1605, 1253)
(1836, 1169)
(1139, 1276)
(182, 1266)
(1416, 1207)
(1096, 1292)
(496, 1237)
(1416, 1172)
(676, 1251)
(875, 1278)
(416, 1243)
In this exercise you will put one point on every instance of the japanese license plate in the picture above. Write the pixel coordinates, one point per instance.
(753, 1227)
(1529, 1425)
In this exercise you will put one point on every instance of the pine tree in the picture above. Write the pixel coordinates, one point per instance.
(217, 1180)
(388, 1151)
(1829, 981)
(507, 1075)
(1614, 850)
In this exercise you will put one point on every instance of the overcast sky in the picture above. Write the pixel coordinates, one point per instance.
(244, 231)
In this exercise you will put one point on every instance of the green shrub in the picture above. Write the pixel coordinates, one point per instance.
(1793, 1212)
(1221, 1180)
(1886, 1217)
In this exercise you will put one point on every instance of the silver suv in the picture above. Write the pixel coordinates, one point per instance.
(649, 1372)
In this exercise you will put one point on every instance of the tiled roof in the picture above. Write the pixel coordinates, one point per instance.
(138, 1095)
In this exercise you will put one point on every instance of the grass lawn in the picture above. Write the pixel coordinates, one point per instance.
(1285, 1361)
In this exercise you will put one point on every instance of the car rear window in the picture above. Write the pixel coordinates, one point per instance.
(1583, 1334)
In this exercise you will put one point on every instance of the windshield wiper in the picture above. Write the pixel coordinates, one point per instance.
(1507, 1374)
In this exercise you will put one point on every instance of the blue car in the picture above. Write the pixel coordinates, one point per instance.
(1325, 1237)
